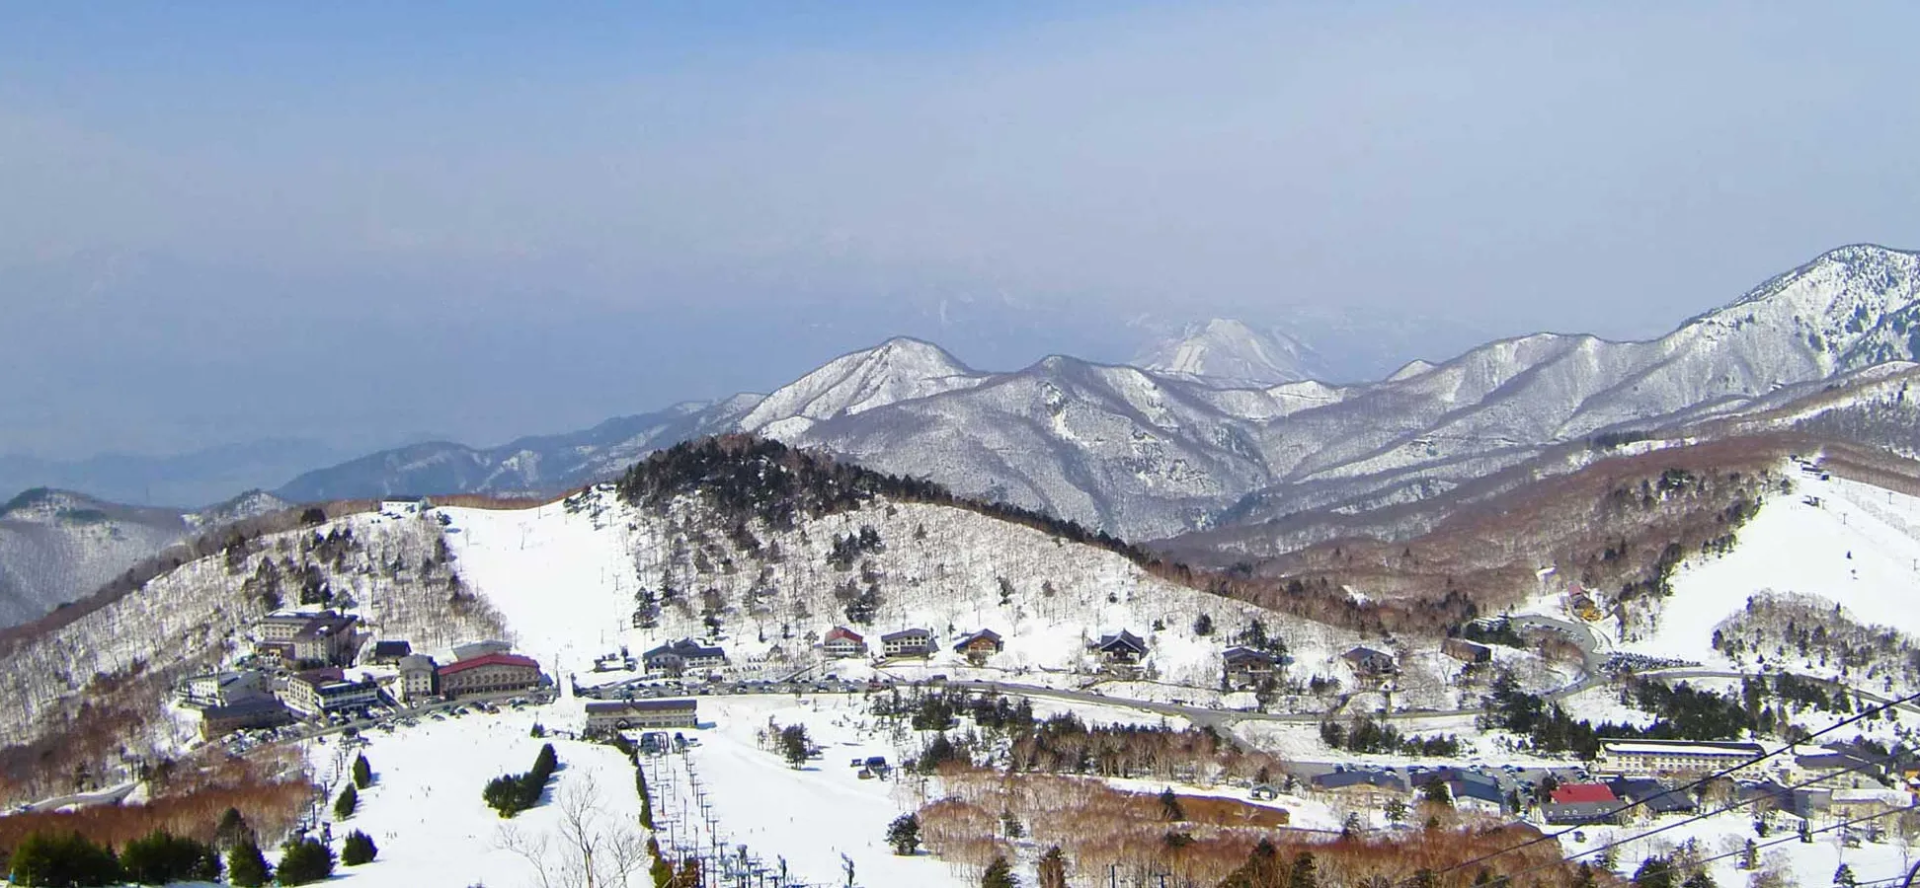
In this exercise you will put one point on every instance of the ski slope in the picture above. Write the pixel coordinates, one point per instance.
(424, 811)
(1859, 548)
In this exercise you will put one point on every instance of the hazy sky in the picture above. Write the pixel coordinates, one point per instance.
(365, 223)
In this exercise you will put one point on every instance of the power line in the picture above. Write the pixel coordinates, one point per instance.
(1507, 878)
(1716, 812)
(1697, 783)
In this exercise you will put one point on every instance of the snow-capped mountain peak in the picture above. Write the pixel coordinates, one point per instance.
(1231, 351)
(1848, 308)
(899, 369)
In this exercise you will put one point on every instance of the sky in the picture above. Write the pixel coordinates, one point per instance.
(368, 223)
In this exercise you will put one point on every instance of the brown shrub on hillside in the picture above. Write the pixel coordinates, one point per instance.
(270, 791)
(1618, 525)
(1105, 830)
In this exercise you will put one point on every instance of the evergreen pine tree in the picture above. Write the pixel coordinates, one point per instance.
(161, 857)
(232, 830)
(1170, 806)
(343, 807)
(904, 834)
(794, 744)
(646, 798)
(362, 772)
(1303, 874)
(63, 859)
(358, 849)
(999, 875)
(303, 861)
(1654, 872)
(246, 866)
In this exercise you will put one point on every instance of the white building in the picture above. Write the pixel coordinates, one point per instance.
(1632, 758)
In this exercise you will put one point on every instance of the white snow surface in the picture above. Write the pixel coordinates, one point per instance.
(564, 577)
(1234, 353)
(1860, 549)
(424, 811)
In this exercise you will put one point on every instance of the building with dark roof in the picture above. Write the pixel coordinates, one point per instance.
(488, 674)
(676, 658)
(1245, 667)
(980, 645)
(1361, 788)
(1653, 797)
(419, 678)
(387, 653)
(1840, 769)
(321, 691)
(623, 715)
(1471, 791)
(327, 639)
(1466, 651)
(907, 643)
(254, 712)
(1122, 650)
(311, 638)
(1367, 661)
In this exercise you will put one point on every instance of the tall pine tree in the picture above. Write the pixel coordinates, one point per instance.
(999, 875)
(246, 866)
(1053, 868)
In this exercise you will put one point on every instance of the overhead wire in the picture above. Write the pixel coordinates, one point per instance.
(1698, 816)
(1507, 878)
(1726, 772)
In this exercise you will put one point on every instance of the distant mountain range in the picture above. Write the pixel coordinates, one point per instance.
(1233, 353)
(183, 481)
(57, 546)
(1218, 428)
(1222, 425)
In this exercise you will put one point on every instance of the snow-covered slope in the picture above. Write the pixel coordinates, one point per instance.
(1232, 353)
(57, 546)
(898, 370)
(1857, 546)
(1149, 453)
(122, 657)
(568, 577)
(572, 580)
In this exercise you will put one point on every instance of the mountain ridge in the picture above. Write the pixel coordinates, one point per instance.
(57, 546)
(1149, 454)
(1232, 352)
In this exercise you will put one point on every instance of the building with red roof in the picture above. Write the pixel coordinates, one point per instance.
(842, 643)
(489, 674)
(1573, 793)
(1580, 803)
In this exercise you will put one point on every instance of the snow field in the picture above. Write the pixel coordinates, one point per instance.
(1807, 865)
(813, 815)
(424, 811)
(1860, 549)
(565, 580)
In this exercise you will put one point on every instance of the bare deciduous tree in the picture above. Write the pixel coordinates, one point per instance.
(590, 849)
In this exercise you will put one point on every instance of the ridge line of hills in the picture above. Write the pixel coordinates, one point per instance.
(1163, 452)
